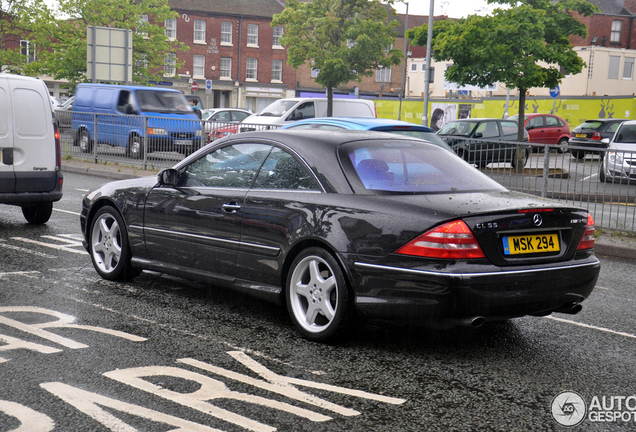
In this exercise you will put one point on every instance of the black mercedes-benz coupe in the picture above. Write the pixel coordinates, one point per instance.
(342, 224)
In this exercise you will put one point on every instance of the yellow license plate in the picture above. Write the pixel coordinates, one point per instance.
(580, 135)
(529, 244)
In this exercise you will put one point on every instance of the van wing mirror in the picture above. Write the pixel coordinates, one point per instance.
(169, 177)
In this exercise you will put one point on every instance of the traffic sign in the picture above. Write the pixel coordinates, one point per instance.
(195, 86)
(208, 86)
(554, 92)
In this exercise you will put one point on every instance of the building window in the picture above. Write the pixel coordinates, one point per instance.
(252, 34)
(278, 33)
(27, 49)
(383, 74)
(432, 77)
(198, 66)
(226, 67)
(171, 28)
(413, 67)
(614, 64)
(199, 31)
(250, 69)
(617, 27)
(314, 72)
(226, 33)
(143, 21)
(277, 70)
(169, 64)
(628, 68)
(141, 62)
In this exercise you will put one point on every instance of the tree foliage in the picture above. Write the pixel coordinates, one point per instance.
(60, 36)
(343, 39)
(525, 45)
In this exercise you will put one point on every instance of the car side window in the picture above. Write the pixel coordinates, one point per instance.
(509, 127)
(233, 166)
(282, 171)
(124, 102)
(304, 111)
(239, 116)
(223, 116)
(551, 122)
(534, 122)
(488, 130)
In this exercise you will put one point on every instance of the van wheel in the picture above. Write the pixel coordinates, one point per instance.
(135, 148)
(85, 144)
(39, 213)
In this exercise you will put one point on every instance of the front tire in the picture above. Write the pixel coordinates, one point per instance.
(38, 214)
(317, 295)
(108, 246)
(135, 148)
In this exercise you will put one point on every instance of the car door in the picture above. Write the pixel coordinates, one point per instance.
(7, 176)
(536, 129)
(280, 204)
(487, 151)
(197, 225)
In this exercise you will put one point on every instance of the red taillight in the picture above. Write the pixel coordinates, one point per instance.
(596, 136)
(587, 242)
(453, 240)
(536, 210)
(58, 149)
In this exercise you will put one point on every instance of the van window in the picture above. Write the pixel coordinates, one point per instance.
(304, 111)
(162, 101)
(29, 106)
(125, 102)
(104, 98)
(4, 113)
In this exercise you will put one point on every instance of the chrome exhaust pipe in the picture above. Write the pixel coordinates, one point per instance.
(571, 308)
(472, 322)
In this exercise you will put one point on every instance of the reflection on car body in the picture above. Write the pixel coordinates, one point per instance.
(342, 224)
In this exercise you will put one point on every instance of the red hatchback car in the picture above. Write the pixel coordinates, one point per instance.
(547, 129)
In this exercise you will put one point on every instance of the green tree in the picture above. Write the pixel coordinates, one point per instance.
(525, 45)
(60, 36)
(343, 39)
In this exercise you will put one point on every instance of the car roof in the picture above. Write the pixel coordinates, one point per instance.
(362, 123)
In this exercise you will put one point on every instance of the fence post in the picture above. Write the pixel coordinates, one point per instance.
(95, 141)
(546, 169)
(145, 142)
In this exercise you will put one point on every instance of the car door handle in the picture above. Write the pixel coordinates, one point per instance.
(231, 207)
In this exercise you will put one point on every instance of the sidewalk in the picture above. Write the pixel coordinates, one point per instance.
(608, 243)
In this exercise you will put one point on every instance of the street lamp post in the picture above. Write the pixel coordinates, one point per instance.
(406, 26)
(427, 78)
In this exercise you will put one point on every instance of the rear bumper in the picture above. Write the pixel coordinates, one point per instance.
(41, 181)
(434, 297)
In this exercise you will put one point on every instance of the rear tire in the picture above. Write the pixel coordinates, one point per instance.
(84, 141)
(317, 295)
(38, 214)
(578, 154)
(563, 145)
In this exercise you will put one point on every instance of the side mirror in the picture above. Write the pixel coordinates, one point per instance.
(606, 141)
(169, 177)
(478, 135)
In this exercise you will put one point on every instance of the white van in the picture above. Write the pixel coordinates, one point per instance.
(30, 160)
(285, 111)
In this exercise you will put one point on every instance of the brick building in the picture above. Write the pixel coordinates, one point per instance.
(233, 45)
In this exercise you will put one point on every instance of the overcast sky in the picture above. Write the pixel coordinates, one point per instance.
(452, 8)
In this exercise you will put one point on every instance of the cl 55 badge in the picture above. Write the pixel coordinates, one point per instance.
(486, 225)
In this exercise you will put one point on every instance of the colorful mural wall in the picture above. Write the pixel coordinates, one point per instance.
(573, 110)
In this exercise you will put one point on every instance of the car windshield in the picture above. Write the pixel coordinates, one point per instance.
(626, 134)
(460, 128)
(163, 101)
(410, 166)
(278, 108)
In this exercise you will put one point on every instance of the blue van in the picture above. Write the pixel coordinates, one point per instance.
(125, 116)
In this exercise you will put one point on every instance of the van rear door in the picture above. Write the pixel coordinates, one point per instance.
(33, 136)
(7, 177)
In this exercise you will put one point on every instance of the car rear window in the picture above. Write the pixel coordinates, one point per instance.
(460, 128)
(593, 125)
(409, 166)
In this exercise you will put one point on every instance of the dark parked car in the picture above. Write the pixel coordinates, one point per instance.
(339, 223)
(590, 135)
(477, 141)
(546, 129)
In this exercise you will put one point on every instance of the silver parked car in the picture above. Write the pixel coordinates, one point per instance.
(619, 163)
